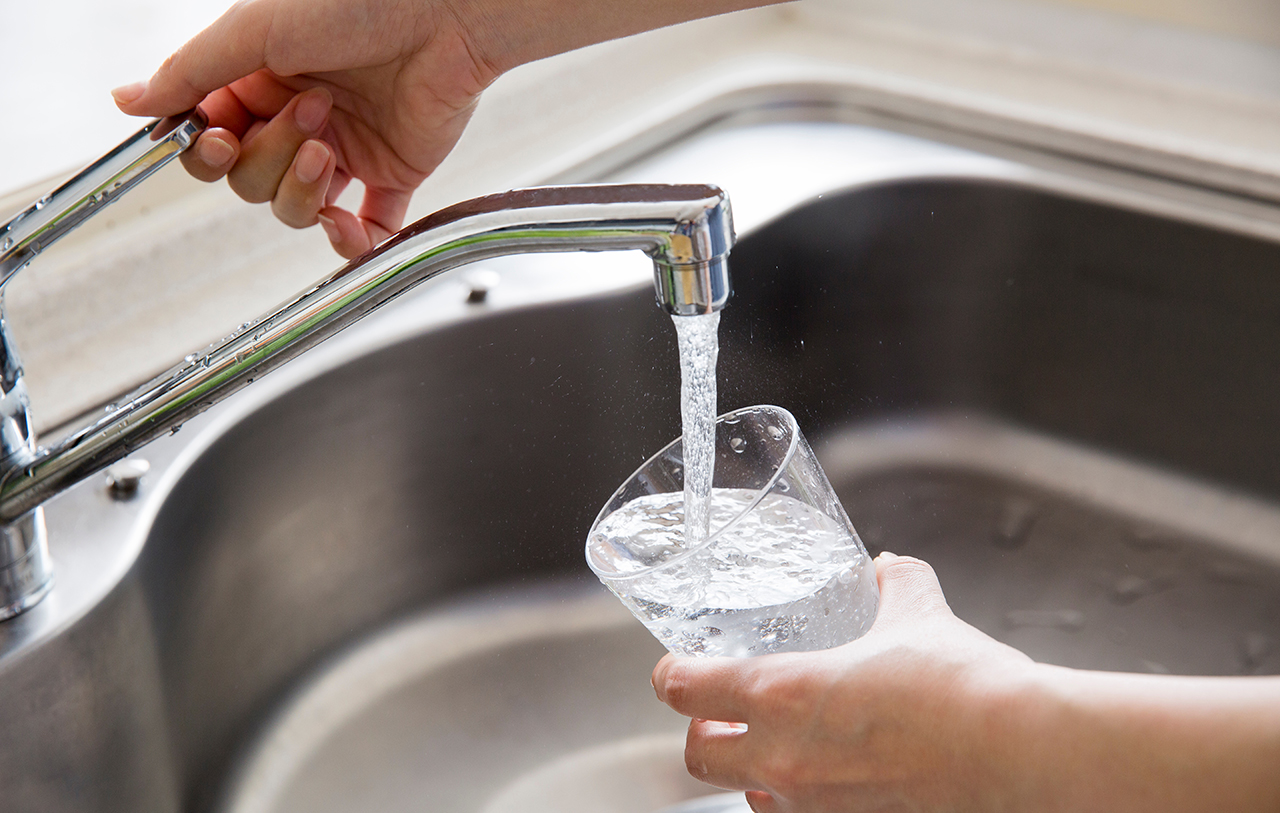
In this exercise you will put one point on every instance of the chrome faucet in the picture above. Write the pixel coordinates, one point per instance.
(686, 230)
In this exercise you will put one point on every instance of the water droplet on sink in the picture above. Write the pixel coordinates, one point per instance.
(1128, 589)
(1253, 648)
(1013, 527)
(1070, 620)
(738, 445)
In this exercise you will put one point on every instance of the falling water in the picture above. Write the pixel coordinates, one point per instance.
(699, 345)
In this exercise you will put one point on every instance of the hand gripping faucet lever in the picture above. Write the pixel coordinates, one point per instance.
(687, 230)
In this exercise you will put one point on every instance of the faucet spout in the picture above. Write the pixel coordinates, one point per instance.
(686, 230)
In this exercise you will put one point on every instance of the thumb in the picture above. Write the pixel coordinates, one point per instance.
(232, 48)
(909, 590)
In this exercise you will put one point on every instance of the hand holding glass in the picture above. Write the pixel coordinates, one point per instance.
(782, 569)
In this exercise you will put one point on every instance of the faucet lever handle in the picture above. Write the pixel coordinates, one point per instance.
(89, 191)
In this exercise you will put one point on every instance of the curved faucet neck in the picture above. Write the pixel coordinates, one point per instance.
(687, 231)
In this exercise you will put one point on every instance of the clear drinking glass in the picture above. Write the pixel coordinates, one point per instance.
(782, 569)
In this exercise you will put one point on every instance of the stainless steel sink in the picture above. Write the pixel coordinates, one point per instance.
(1069, 405)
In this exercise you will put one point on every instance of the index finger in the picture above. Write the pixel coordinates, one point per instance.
(233, 47)
(706, 688)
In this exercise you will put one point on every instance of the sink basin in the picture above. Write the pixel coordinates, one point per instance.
(360, 585)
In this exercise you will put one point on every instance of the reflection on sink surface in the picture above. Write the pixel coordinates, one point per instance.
(525, 701)
(367, 591)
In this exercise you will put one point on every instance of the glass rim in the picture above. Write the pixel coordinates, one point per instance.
(714, 536)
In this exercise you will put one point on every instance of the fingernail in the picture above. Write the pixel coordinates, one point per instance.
(215, 152)
(330, 228)
(312, 110)
(129, 93)
(310, 162)
(887, 556)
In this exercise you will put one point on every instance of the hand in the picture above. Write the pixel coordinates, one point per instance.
(901, 719)
(304, 95)
(925, 713)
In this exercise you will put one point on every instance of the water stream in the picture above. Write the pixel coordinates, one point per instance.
(698, 337)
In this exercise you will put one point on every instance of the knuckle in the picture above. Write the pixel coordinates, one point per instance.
(676, 690)
(786, 695)
(911, 566)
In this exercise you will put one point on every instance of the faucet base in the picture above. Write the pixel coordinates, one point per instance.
(28, 576)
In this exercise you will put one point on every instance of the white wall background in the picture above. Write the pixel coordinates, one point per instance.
(59, 60)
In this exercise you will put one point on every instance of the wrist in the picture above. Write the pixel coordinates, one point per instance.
(1107, 741)
(1014, 729)
(504, 35)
